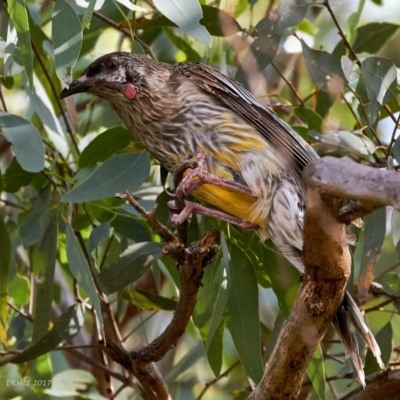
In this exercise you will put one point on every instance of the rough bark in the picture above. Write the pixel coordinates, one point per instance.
(339, 191)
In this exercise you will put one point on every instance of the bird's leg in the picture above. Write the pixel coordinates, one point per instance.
(196, 208)
(196, 177)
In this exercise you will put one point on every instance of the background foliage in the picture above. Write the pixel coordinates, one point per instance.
(75, 262)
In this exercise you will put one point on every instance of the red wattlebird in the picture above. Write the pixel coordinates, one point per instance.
(251, 159)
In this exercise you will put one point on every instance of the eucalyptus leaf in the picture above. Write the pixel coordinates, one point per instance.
(67, 39)
(5, 257)
(82, 272)
(375, 230)
(19, 16)
(322, 66)
(186, 14)
(316, 373)
(26, 140)
(130, 266)
(354, 141)
(64, 329)
(116, 175)
(105, 145)
(241, 313)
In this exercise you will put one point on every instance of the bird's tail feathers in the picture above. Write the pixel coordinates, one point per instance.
(341, 322)
(347, 314)
(362, 327)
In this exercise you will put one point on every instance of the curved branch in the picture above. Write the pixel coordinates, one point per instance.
(338, 192)
(327, 269)
(381, 385)
(191, 261)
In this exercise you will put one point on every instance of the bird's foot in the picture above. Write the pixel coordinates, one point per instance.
(198, 176)
(186, 182)
(179, 215)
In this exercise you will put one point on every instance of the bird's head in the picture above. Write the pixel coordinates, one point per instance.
(117, 77)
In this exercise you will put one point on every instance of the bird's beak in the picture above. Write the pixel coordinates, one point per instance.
(78, 86)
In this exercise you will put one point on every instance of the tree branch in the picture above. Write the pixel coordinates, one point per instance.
(381, 385)
(338, 191)
(191, 261)
(327, 269)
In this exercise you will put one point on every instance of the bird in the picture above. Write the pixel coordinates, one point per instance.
(186, 109)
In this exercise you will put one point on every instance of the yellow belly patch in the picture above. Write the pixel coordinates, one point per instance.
(228, 200)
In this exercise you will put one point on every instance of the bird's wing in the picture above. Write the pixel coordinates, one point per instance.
(235, 96)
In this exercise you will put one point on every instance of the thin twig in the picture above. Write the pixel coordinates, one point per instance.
(393, 139)
(126, 32)
(290, 84)
(26, 316)
(162, 230)
(2, 100)
(11, 204)
(213, 382)
(54, 90)
(352, 111)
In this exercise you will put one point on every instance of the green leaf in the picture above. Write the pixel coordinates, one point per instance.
(355, 141)
(324, 103)
(33, 227)
(82, 273)
(396, 150)
(375, 229)
(131, 228)
(5, 256)
(67, 39)
(183, 45)
(214, 352)
(218, 22)
(130, 266)
(240, 7)
(15, 177)
(380, 78)
(396, 230)
(116, 175)
(241, 314)
(212, 18)
(87, 15)
(133, 7)
(19, 290)
(19, 17)
(310, 117)
(352, 22)
(286, 14)
(45, 280)
(105, 145)
(74, 383)
(222, 275)
(64, 329)
(373, 36)
(186, 14)
(99, 233)
(321, 65)
(384, 339)
(190, 358)
(26, 140)
(150, 301)
(390, 282)
(316, 373)
(262, 51)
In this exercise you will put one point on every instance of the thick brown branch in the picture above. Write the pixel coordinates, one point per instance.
(369, 188)
(328, 265)
(191, 262)
(381, 385)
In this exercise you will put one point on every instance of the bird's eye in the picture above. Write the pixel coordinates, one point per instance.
(112, 65)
